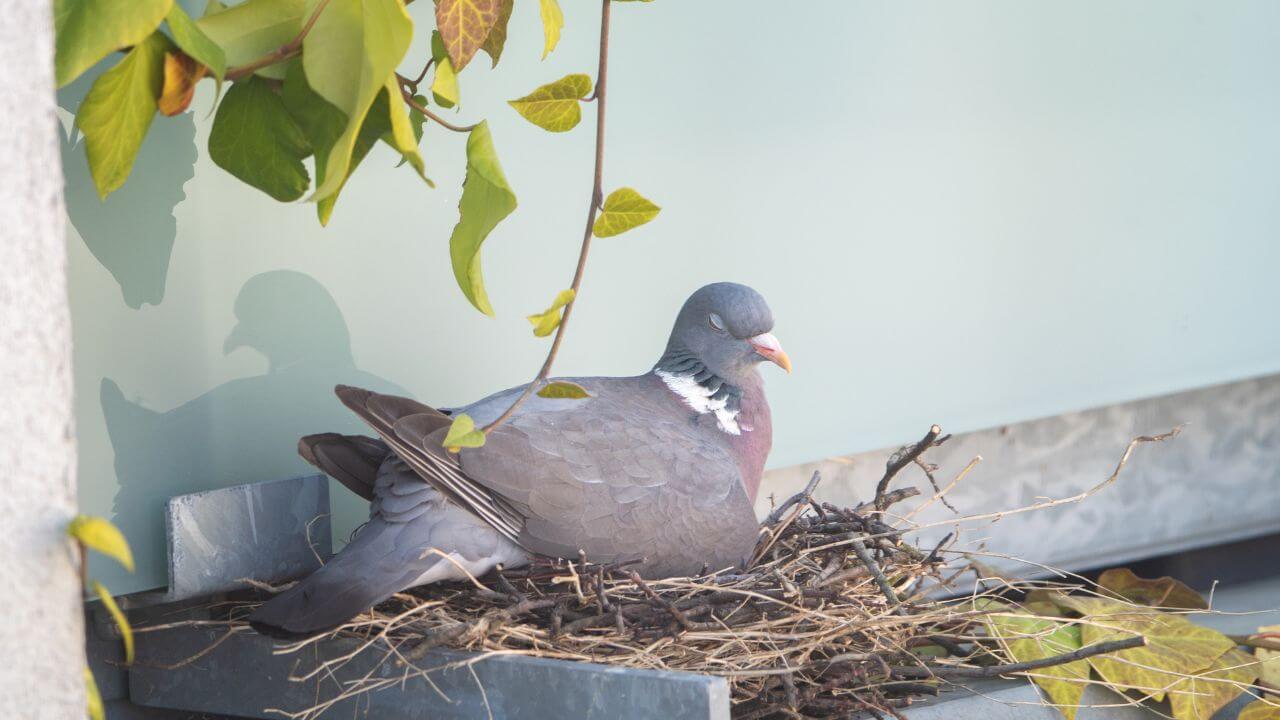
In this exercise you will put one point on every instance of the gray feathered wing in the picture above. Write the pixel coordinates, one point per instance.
(618, 476)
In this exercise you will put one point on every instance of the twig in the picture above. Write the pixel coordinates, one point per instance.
(407, 94)
(903, 458)
(597, 197)
(928, 470)
(945, 671)
(666, 604)
(805, 495)
(280, 54)
(1255, 641)
(865, 556)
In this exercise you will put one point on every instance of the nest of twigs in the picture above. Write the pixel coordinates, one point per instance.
(835, 616)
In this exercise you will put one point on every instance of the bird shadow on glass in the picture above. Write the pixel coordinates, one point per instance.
(132, 231)
(245, 430)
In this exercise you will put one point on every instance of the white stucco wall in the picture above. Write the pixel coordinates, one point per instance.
(41, 633)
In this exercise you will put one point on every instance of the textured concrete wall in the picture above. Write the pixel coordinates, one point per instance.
(41, 634)
(1216, 482)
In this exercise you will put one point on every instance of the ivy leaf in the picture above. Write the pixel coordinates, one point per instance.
(563, 390)
(444, 84)
(1269, 659)
(463, 433)
(552, 23)
(247, 31)
(118, 110)
(623, 210)
(1161, 592)
(486, 200)
(98, 534)
(1175, 646)
(416, 121)
(400, 136)
(126, 632)
(88, 30)
(93, 698)
(554, 106)
(497, 38)
(1260, 710)
(464, 25)
(181, 73)
(350, 56)
(194, 42)
(255, 139)
(1199, 697)
(545, 322)
(1027, 637)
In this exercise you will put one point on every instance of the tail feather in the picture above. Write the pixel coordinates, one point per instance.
(352, 460)
(356, 579)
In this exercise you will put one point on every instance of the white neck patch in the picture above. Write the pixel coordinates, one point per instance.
(699, 398)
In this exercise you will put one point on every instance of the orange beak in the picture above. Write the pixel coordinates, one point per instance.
(768, 346)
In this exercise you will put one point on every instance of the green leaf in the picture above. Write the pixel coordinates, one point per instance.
(1161, 592)
(350, 56)
(444, 84)
(126, 632)
(98, 534)
(416, 121)
(486, 200)
(545, 322)
(554, 106)
(497, 37)
(93, 699)
(463, 433)
(552, 24)
(623, 210)
(1175, 646)
(464, 25)
(89, 30)
(563, 390)
(194, 42)
(1025, 636)
(250, 30)
(118, 110)
(255, 139)
(401, 136)
(1199, 697)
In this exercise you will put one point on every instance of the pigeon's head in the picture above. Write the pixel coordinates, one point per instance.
(726, 326)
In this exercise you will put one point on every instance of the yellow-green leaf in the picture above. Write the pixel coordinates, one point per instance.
(464, 25)
(486, 200)
(623, 210)
(255, 139)
(93, 699)
(181, 73)
(552, 24)
(118, 110)
(1270, 659)
(545, 322)
(1261, 710)
(554, 106)
(1160, 592)
(497, 38)
(98, 534)
(563, 390)
(1175, 646)
(250, 30)
(194, 42)
(463, 433)
(1025, 637)
(1198, 698)
(89, 30)
(444, 83)
(401, 136)
(126, 632)
(349, 57)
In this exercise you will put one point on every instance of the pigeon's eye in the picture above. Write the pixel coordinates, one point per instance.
(716, 323)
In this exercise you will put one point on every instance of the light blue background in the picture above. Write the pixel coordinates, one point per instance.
(966, 213)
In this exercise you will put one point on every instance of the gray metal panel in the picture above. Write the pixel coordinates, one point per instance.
(258, 531)
(1218, 481)
(242, 677)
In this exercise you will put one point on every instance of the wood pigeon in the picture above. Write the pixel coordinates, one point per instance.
(662, 468)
